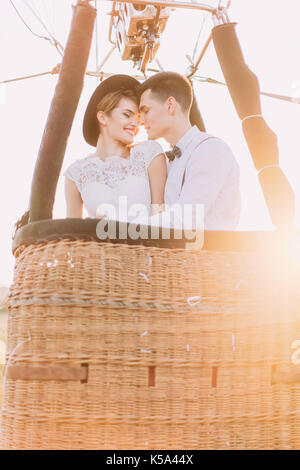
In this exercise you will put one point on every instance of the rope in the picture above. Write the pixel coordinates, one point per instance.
(185, 305)
(103, 75)
(55, 70)
(270, 95)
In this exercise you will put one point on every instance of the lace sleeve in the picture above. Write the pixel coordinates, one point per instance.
(150, 149)
(73, 171)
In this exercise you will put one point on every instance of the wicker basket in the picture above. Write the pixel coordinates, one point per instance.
(113, 346)
(3, 338)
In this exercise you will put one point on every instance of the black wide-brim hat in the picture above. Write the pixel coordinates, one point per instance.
(90, 121)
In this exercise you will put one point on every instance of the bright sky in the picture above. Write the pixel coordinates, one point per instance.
(269, 34)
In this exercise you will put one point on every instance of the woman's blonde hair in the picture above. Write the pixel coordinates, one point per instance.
(112, 99)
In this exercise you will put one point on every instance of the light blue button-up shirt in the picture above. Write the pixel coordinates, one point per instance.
(211, 178)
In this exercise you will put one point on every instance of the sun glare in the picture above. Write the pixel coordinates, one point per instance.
(272, 56)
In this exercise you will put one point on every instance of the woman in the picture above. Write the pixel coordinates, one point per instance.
(116, 168)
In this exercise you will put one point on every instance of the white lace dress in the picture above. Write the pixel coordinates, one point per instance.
(116, 182)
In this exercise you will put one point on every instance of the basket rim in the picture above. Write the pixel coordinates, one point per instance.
(85, 229)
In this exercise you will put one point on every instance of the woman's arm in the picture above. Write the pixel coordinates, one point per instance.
(157, 172)
(73, 199)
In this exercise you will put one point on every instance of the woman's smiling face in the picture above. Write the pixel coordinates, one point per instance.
(121, 124)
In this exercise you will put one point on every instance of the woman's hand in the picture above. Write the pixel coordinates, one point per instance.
(157, 208)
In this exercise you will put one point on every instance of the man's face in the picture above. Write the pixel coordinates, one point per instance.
(154, 115)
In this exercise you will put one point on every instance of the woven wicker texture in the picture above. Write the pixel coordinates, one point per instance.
(3, 338)
(181, 347)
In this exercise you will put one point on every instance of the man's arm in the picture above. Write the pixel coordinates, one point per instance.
(207, 171)
(157, 172)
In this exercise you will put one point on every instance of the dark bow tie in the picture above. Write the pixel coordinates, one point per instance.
(175, 152)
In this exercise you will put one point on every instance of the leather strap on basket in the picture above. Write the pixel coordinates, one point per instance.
(283, 374)
(28, 372)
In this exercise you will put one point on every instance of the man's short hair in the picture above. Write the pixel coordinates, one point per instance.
(166, 84)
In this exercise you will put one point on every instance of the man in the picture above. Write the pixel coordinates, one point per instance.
(202, 168)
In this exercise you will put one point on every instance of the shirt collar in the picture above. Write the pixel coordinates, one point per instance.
(187, 138)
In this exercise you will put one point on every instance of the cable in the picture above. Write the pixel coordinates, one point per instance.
(19, 15)
(55, 42)
(56, 70)
(198, 38)
(290, 99)
(52, 40)
(195, 67)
